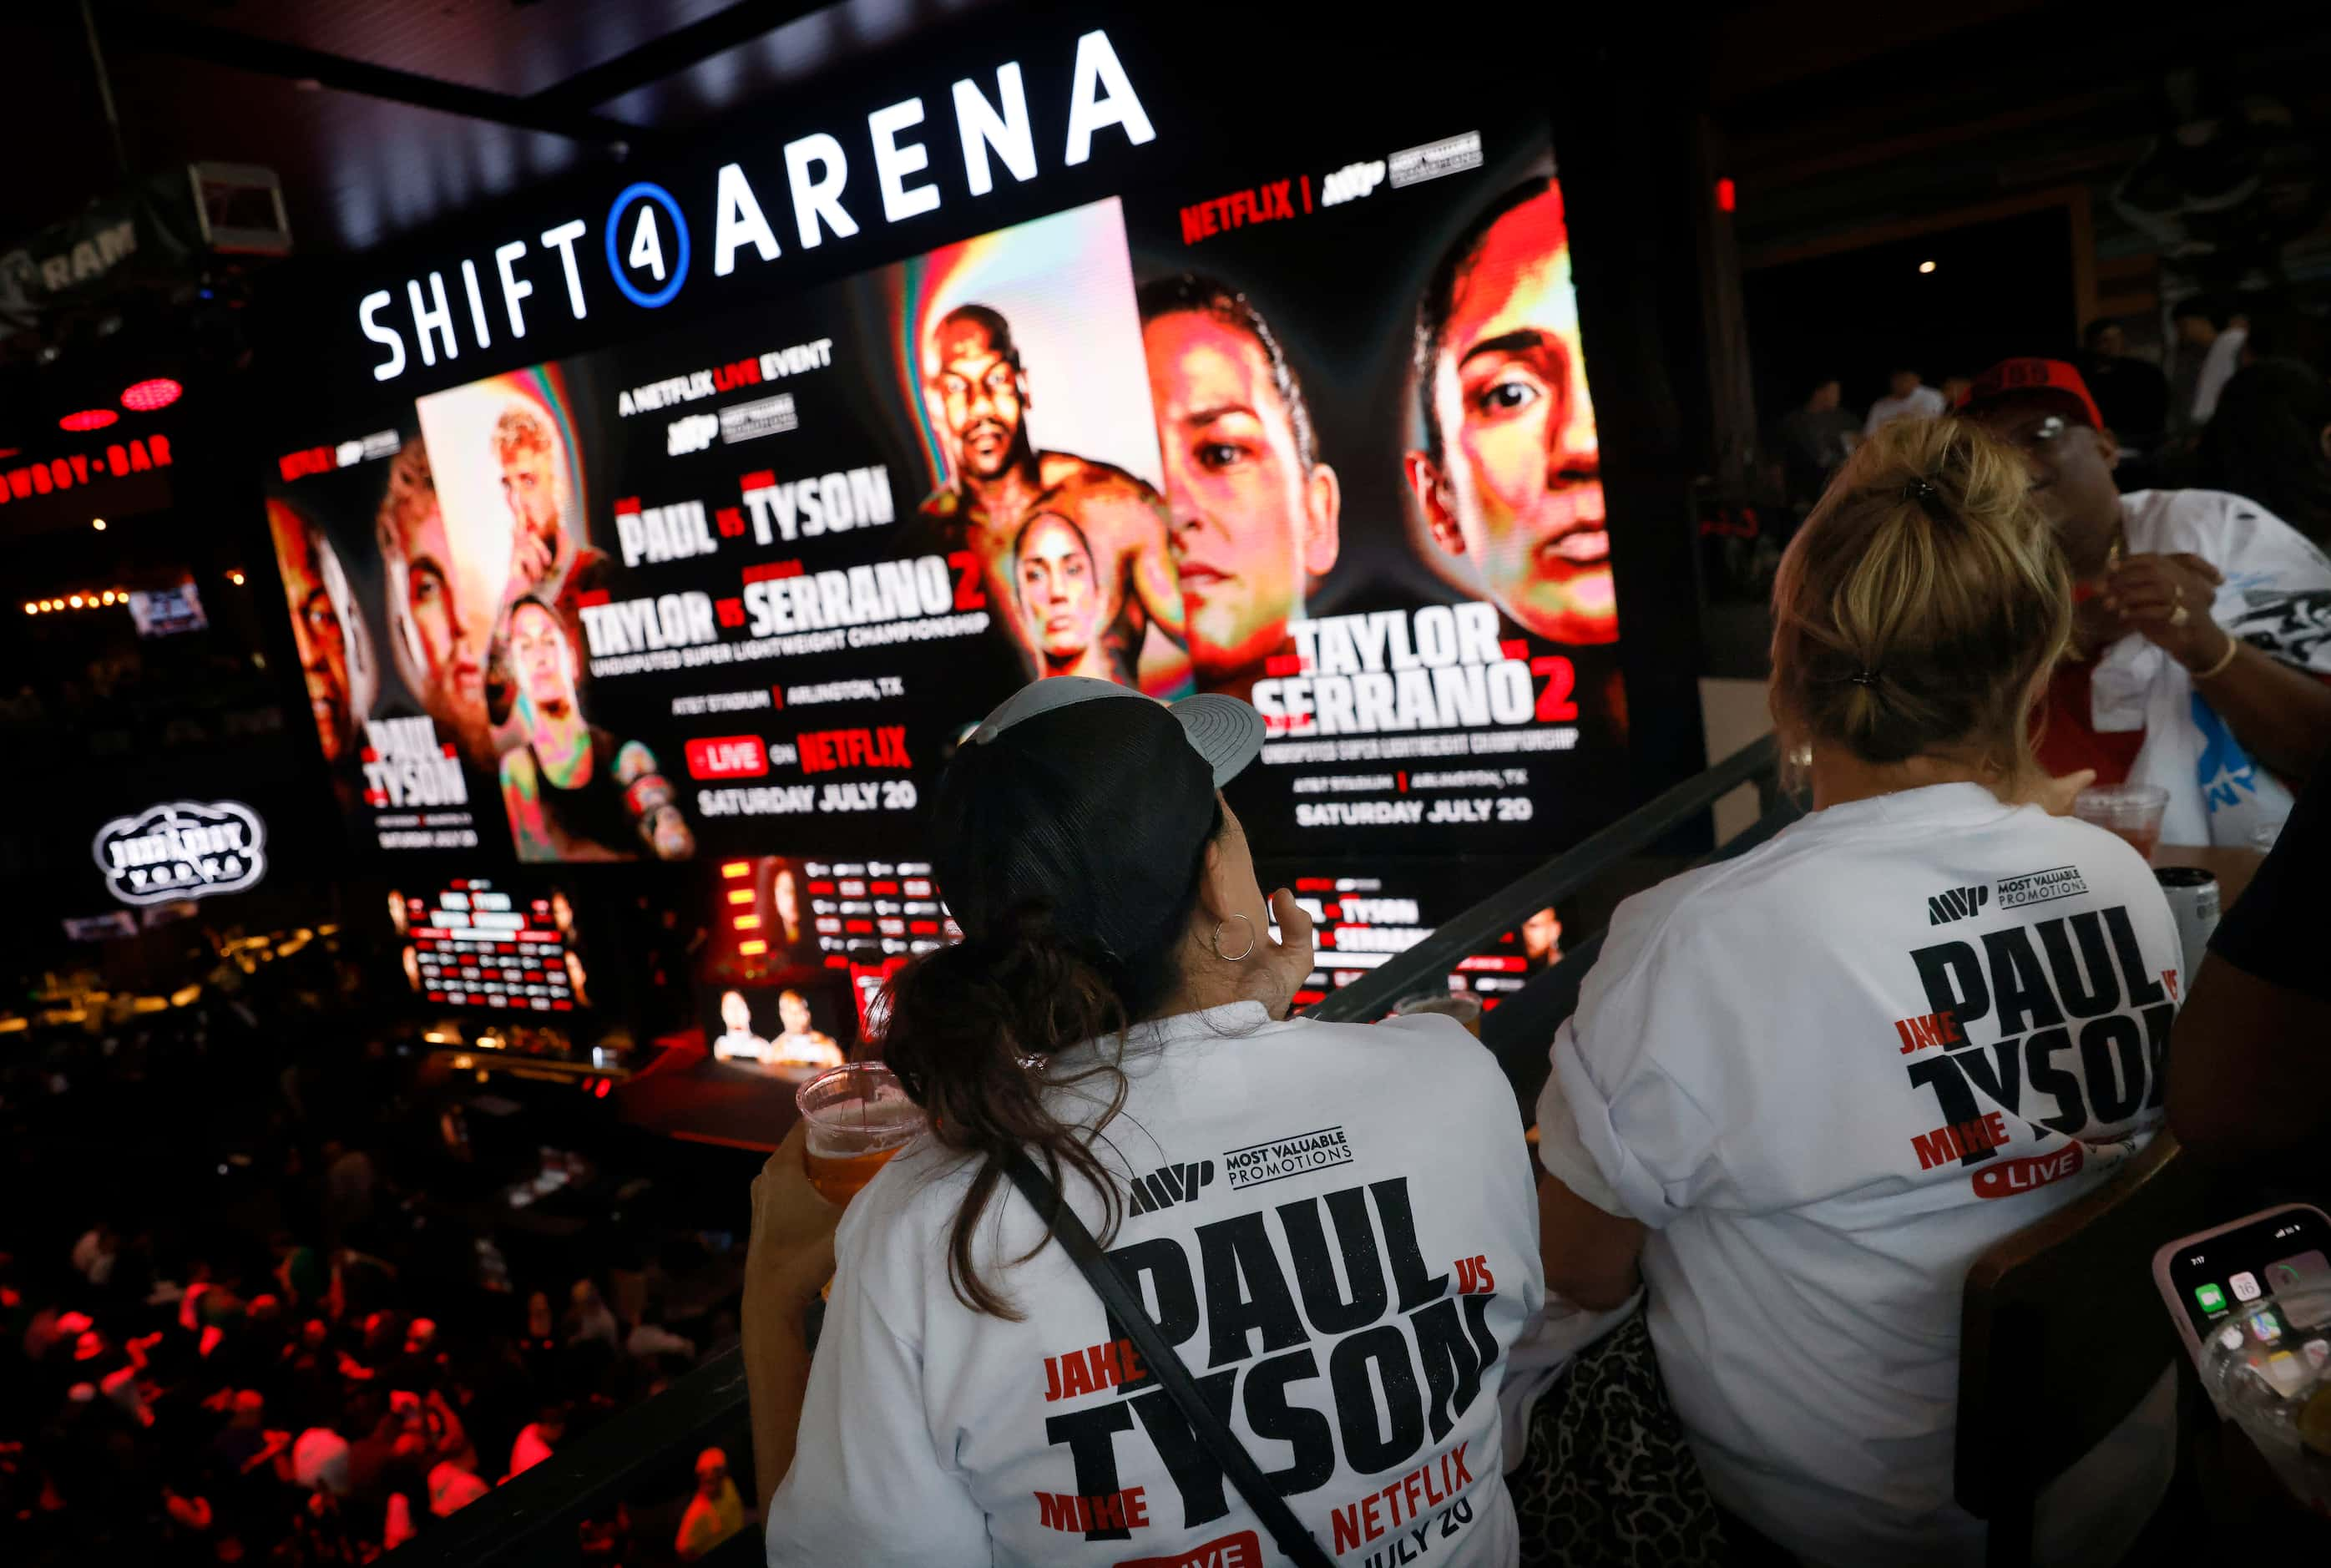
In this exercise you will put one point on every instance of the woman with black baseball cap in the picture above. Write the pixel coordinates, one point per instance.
(1331, 1227)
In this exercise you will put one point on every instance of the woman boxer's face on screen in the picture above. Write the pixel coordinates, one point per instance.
(540, 650)
(1235, 488)
(1516, 486)
(1057, 593)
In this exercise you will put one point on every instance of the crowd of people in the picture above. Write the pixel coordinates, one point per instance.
(2244, 406)
(295, 1330)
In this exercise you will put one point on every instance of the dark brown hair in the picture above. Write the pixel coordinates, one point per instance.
(971, 1030)
(1921, 601)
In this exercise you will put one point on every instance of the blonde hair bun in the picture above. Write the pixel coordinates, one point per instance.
(1921, 603)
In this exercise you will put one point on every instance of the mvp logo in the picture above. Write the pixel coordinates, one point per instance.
(1174, 1184)
(1956, 904)
(690, 432)
(1351, 181)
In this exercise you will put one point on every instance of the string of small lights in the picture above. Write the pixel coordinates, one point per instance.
(101, 600)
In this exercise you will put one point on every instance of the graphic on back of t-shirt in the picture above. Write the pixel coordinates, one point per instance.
(2058, 1026)
(1320, 1324)
(2292, 627)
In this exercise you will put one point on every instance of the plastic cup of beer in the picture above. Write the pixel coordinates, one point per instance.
(2269, 1367)
(2132, 810)
(1462, 1005)
(858, 1116)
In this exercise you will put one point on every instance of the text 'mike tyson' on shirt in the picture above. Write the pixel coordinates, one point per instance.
(1331, 1225)
(1813, 1084)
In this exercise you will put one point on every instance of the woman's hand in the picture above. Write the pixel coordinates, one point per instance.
(2166, 600)
(1282, 966)
(2054, 796)
(791, 1255)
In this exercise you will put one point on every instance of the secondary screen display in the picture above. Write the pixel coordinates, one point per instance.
(477, 942)
(1360, 922)
(1316, 436)
(166, 612)
(796, 1028)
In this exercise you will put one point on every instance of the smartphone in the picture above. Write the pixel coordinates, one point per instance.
(2213, 1280)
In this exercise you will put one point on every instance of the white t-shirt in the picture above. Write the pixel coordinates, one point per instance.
(2277, 596)
(1827, 1076)
(1922, 403)
(1340, 1236)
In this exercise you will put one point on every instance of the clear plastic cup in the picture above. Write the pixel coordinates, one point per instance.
(2269, 1367)
(858, 1115)
(1462, 1005)
(2132, 810)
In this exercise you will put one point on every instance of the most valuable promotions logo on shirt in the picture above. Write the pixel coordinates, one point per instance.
(182, 850)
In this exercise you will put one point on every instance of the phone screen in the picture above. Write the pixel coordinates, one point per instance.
(2219, 1279)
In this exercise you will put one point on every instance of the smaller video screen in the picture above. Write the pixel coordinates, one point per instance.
(163, 612)
(794, 1029)
(487, 943)
(778, 914)
(1362, 920)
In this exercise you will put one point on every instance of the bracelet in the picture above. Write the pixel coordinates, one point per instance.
(2233, 646)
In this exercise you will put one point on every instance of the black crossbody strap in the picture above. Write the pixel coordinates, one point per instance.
(1123, 1303)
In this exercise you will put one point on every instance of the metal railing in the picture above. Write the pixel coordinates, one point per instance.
(534, 1519)
(1519, 1030)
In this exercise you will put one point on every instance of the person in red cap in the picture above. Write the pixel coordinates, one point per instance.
(2202, 638)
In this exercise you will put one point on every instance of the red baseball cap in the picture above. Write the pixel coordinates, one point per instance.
(2045, 381)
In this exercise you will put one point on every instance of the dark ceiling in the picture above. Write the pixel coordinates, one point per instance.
(383, 116)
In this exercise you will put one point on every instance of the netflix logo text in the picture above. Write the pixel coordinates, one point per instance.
(823, 750)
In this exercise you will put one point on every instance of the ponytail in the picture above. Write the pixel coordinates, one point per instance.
(1921, 602)
(971, 1028)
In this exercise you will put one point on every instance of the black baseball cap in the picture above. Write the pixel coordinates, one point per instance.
(1090, 798)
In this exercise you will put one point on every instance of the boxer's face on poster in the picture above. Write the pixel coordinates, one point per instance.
(784, 892)
(530, 487)
(1517, 487)
(316, 630)
(448, 626)
(1234, 486)
(980, 394)
(1057, 592)
(1541, 935)
(540, 652)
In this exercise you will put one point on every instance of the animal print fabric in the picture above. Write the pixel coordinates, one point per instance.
(1607, 1479)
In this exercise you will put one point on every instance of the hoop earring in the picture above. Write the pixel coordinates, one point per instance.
(1242, 953)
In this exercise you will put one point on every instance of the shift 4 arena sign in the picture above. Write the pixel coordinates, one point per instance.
(182, 850)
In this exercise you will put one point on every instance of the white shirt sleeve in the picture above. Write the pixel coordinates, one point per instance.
(1639, 1142)
(2277, 592)
(866, 1486)
(1563, 1154)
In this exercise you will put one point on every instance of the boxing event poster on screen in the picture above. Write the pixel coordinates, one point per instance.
(1321, 438)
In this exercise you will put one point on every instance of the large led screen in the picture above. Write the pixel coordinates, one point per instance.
(1321, 438)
